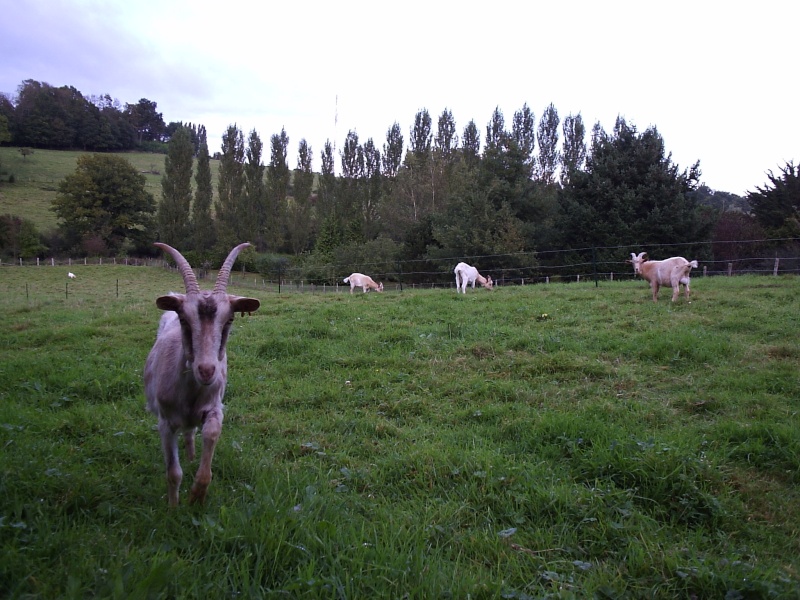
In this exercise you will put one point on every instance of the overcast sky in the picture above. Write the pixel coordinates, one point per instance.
(717, 79)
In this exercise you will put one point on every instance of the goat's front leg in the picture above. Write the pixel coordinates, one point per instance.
(169, 444)
(212, 427)
(188, 443)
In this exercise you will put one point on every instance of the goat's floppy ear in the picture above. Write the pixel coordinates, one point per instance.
(171, 302)
(244, 305)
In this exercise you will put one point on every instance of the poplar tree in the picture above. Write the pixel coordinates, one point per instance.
(496, 130)
(392, 151)
(548, 160)
(298, 214)
(371, 196)
(421, 136)
(523, 130)
(471, 144)
(278, 179)
(573, 155)
(446, 140)
(176, 190)
(253, 210)
(230, 188)
(202, 222)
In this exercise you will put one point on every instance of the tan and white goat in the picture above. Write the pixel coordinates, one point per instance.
(365, 282)
(671, 272)
(466, 274)
(186, 371)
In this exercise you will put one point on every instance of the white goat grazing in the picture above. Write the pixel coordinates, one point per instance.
(671, 272)
(71, 275)
(187, 369)
(466, 274)
(365, 282)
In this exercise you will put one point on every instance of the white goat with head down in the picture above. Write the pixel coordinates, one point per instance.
(466, 274)
(187, 369)
(671, 272)
(365, 282)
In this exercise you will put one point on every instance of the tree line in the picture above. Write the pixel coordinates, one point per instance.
(510, 192)
(44, 116)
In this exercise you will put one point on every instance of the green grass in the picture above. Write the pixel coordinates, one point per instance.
(416, 444)
(37, 176)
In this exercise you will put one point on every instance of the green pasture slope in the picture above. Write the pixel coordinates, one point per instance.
(551, 441)
(37, 176)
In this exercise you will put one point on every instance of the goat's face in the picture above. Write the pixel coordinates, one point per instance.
(205, 319)
(638, 261)
(489, 283)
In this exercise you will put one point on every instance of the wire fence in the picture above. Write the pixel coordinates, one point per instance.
(609, 263)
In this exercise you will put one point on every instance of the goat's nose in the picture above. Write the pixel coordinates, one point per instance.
(206, 373)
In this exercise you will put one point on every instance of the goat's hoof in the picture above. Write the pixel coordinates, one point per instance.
(197, 496)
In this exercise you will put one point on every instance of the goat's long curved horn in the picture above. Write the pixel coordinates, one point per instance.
(225, 269)
(189, 280)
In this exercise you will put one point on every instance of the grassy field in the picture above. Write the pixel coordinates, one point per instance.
(36, 179)
(551, 441)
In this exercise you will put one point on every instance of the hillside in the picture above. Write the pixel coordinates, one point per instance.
(36, 178)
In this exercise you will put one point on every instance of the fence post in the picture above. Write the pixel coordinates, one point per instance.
(730, 269)
(547, 279)
(775, 270)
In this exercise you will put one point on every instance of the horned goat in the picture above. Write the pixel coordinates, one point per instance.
(365, 282)
(466, 274)
(187, 369)
(671, 272)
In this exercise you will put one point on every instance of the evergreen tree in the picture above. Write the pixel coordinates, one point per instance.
(776, 204)
(573, 155)
(176, 191)
(548, 160)
(630, 193)
(230, 189)
(202, 221)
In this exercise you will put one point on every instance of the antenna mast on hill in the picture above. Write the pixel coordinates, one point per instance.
(335, 130)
